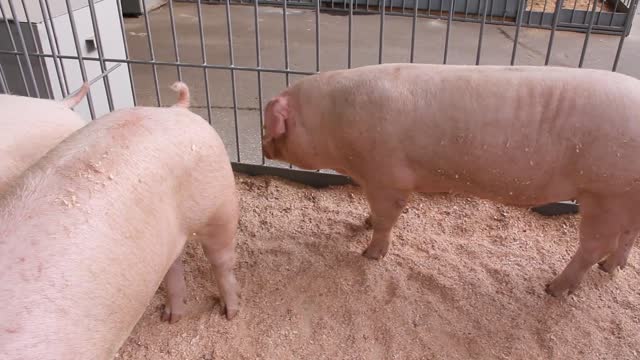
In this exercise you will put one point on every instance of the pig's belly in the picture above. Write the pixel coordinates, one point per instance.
(504, 187)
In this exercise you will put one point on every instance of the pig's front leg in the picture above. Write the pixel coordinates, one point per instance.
(174, 307)
(386, 206)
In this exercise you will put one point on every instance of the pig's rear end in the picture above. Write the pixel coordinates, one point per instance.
(94, 226)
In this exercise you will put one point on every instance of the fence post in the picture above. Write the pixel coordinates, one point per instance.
(630, 16)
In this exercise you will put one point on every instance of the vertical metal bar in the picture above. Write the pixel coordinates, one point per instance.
(3, 83)
(103, 68)
(285, 29)
(366, 5)
(349, 51)
(504, 14)
(45, 78)
(544, 10)
(556, 16)
(520, 15)
(573, 11)
(259, 65)
(285, 25)
(204, 61)
(381, 42)
(490, 12)
(403, 6)
(413, 30)
(24, 48)
(530, 12)
(446, 39)
(62, 81)
(318, 34)
(233, 78)
(174, 36)
(484, 20)
(55, 40)
(586, 37)
(83, 70)
(600, 12)
(126, 52)
(627, 28)
(466, 8)
(615, 8)
(14, 48)
(429, 7)
(390, 5)
(147, 25)
(588, 9)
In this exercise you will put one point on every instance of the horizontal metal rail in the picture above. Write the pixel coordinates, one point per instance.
(94, 80)
(167, 63)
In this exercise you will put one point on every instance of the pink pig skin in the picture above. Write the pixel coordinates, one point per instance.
(30, 127)
(517, 135)
(88, 232)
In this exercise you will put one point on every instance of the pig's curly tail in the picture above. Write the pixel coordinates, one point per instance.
(183, 94)
(71, 102)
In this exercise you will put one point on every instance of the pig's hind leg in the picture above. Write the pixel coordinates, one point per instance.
(618, 259)
(386, 206)
(218, 243)
(600, 227)
(174, 307)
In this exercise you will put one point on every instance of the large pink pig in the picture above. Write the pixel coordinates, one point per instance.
(89, 231)
(518, 135)
(30, 127)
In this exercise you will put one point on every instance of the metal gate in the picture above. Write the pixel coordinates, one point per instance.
(608, 16)
(235, 55)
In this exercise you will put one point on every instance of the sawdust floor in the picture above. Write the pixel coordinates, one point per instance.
(464, 280)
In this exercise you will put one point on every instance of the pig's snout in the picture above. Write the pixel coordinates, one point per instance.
(267, 149)
(270, 148)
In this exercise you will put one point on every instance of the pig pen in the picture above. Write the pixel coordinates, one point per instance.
(464, 279)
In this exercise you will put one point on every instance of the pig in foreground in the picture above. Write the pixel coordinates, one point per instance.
(29, 127)
(517, 135)
(89, 231)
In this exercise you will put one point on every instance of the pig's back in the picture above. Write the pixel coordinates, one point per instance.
(157, 140)
(28, 129)
(28, 119)
(150, 158)
(494, 130)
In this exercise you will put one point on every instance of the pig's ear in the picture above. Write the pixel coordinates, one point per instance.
(276, 117)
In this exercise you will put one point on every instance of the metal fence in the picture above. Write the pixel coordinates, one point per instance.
(234, 64)
(608, 16)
